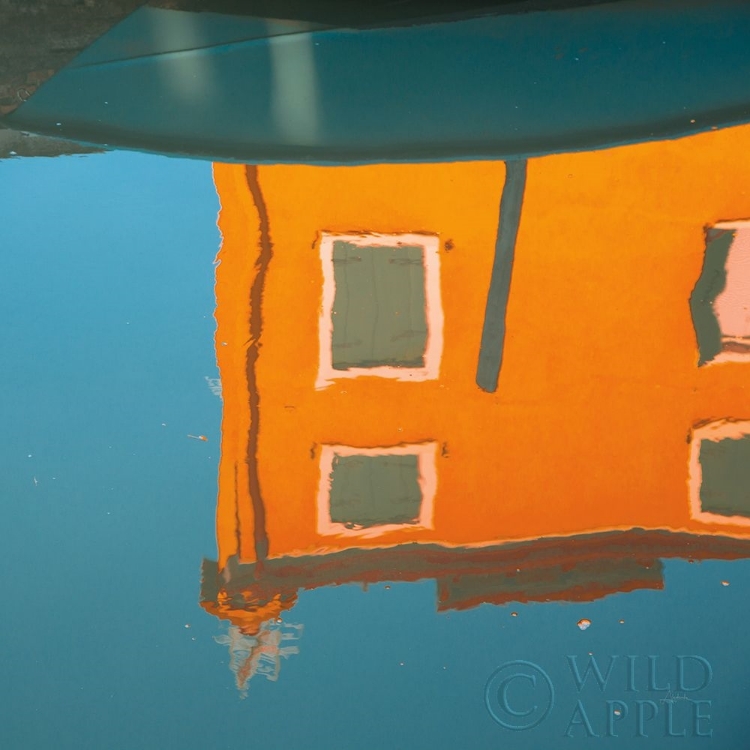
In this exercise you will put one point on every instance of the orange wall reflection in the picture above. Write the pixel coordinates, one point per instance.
(589, 431)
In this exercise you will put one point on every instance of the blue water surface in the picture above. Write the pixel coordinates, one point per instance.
(106, 296)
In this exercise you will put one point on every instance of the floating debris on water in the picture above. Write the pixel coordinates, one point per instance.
(584, 624)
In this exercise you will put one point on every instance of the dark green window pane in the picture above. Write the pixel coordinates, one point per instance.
(375, 490)
(711, 283)
(379, 311)
(725, 468)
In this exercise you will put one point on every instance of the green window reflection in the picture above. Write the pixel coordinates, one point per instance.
(376, 490)
(379, 311)
(725, 469)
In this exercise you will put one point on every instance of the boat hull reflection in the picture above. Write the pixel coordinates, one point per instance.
(502, 85)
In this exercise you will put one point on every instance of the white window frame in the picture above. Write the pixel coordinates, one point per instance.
(426, 464)
(433, 313)
(722, 429)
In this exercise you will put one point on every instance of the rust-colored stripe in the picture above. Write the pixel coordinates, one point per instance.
(253, 350)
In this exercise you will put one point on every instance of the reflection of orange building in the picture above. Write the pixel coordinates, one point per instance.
(588, 432)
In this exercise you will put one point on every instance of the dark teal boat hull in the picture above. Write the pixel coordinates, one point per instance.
(509, 85)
